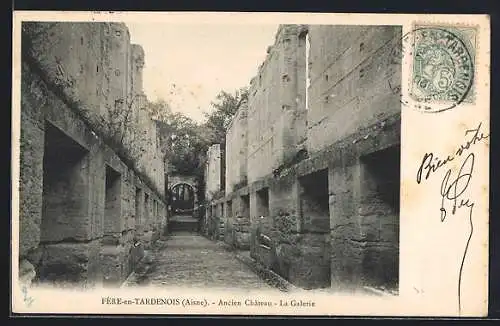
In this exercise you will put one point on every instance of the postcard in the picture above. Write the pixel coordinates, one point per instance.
(250, 163)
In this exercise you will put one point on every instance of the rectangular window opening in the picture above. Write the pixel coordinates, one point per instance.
(229, 208)
(65, 196)
(146, 207)
(112, 206)
(263, 202)
(314, 199)
(315, 221)
(380, 207)
(245, 209)
(384, 167)
(138, 205)
(64, 184)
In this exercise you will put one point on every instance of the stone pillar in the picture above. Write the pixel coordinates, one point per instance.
(119, 50)
(241, 222)
(229, 222)
(139, 211)
(346, 257)
(30, 189)
(254, 225)
(378, 217)
(137, 68)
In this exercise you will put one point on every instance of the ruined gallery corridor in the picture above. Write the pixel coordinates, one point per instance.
(187, 259)
(285, 184)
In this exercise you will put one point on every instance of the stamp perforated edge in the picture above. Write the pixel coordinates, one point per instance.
(470, 98)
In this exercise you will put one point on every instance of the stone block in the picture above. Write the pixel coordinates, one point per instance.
(307, 273)
(369, 228)
(287, 252)
(241, 224)
(146, 238)
(341, 208)
(70, 263)
(380, 265)
(228, 233)
(307, 261)
(389, 232)
(155, 235)
(352, 83)
(347, 254)
(265, 256)
(287, 223)
(34, 255)
(127, 237)
(112, 264)
(315, 223)
(97, 184)
(242, 240)
(253, 242)
(127, 261)
(112, 239)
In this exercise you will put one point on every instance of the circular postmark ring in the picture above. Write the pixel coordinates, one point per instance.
(441, 69)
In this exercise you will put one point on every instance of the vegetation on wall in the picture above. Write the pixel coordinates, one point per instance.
(225, 107)
(115, 127)
(184, 142)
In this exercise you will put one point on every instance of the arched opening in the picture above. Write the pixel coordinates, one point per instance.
(182, 197)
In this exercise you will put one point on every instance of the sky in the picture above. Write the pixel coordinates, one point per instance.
(188, 65)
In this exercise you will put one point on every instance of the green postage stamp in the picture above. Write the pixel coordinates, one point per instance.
(443, 66)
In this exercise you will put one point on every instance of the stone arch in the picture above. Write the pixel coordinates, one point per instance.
(183, 197)
(183, 182)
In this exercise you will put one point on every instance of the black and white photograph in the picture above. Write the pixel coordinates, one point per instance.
(232, 157)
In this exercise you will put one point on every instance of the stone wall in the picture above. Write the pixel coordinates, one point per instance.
(276, 104)
(236, 151)
(83, 216)
(211, 222)
(323, 174)
(98, 71)
(349, 81)
(213, 171)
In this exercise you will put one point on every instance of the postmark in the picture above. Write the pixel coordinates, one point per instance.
(441, 61)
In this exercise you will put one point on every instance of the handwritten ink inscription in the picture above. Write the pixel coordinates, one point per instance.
(454, 185)
(452, 190)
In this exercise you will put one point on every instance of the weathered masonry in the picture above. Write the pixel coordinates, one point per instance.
(91, 177)
(312, 182)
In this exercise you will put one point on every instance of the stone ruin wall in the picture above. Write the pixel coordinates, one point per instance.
(321, 203)
(236, 151)
(87, 209)
(350, 72)
(213, 171)
(213, 186)
(97, 70)
(276, 104)
(351, 75)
